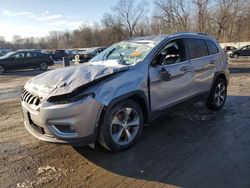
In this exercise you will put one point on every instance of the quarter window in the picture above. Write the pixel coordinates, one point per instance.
(212, 48)
(197, 48)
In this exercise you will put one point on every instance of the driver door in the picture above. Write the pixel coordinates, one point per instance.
(170, 76)
(16, 61)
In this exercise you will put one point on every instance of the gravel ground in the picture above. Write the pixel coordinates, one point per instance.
(191, 147)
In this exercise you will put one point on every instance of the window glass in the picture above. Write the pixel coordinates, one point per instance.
(212, 48)
(18, 55)
(197, 48)
(30, 54)
(37, 54)
(173, 52)
(126, 52)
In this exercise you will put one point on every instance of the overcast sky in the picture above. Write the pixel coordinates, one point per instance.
(37, 17)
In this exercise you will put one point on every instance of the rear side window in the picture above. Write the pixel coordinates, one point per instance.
(29, 54)
(197, 48)
(212, 48)
(38, 54)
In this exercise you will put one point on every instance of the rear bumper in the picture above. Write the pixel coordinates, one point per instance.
(74, 123)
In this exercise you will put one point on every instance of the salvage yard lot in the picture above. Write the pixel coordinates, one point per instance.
(191, 147)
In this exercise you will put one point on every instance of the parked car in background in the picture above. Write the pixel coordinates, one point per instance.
(228, 49)
(241, 52)
(59, 54)
(4, 51)
(110, 98)
(25, 60)
(85, 56)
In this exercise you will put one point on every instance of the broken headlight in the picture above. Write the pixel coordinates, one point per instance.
(69, 98)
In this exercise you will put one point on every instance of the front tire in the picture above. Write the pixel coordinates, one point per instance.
(122, 126)
(218, 95)
(43, 67)
(236, 56)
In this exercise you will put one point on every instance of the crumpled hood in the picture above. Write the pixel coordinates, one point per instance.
(65, 80)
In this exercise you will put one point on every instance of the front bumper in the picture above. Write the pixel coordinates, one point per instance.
(74, 123)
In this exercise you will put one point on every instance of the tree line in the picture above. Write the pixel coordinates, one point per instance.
(226, 20)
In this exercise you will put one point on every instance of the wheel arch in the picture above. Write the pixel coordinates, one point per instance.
(137, 96)
(217, 76)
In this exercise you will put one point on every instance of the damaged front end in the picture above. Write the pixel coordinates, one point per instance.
(57, 106)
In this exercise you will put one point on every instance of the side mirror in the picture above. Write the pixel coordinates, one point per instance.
(154, 63)
(164, 74)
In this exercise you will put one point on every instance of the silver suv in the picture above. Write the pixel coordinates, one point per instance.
(110, 98)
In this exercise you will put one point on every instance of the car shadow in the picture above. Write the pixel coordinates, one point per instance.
(187, 148)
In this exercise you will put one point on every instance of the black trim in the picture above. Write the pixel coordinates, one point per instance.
(131, 94)
(216, 76)
(178, 105)
(84, 140)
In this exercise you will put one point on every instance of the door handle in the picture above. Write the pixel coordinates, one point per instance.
(186, 68)
(212, 62)
(165, 75)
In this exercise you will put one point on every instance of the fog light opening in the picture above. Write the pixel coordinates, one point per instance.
(65, 129)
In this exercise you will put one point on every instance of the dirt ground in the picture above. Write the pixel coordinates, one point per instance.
(191, 147)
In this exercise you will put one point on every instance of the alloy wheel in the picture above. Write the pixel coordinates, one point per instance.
(220, 94)
(125, 126)
(43, 66)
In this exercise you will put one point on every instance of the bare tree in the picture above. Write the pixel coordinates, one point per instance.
(129, 14)
(174, 14)
(202, 14)
(113, 29)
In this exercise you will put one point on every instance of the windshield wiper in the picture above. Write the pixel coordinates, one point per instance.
(121, 60)
(105, 56)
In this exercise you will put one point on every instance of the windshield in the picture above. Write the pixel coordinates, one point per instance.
(127, 52)
(89, 51)
(7, 55)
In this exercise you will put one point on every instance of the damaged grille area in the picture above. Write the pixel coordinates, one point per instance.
(29, 98)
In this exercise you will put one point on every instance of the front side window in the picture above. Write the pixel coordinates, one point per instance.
(173, 52)
(197, 48)
(18, 55)
(212, 48)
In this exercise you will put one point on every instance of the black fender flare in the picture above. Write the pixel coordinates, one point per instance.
(216, 76)
(139, 95)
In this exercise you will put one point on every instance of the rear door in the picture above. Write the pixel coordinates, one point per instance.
(170, 76)
(203, 63)
(34, 59)
(29, 61)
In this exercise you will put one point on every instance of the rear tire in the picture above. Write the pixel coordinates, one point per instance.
(218, 95)
(121, 126)
(2, 70)
(43, 67)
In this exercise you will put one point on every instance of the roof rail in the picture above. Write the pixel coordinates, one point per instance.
(201, 33)
(198, 33)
